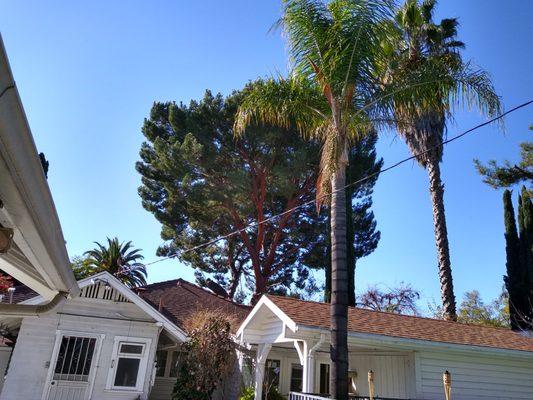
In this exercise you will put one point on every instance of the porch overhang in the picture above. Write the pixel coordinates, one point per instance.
(38, 257)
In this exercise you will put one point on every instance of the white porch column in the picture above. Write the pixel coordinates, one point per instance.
(306, 352)
(262, 352)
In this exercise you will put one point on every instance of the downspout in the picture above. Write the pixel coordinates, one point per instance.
(25, 310)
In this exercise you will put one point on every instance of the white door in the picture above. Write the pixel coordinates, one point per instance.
(72, 366)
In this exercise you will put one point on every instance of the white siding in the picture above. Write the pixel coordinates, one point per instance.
(474, 377)
(5, 352)
(393, 374)
(162, 389)
(32, 354)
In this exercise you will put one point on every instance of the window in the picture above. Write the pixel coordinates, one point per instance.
(74, 358)
(324, 379)
(296, 377)
(128, 364)
(161, 362)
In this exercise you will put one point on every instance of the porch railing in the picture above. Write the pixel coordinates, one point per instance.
(306, 396)
(311, 396)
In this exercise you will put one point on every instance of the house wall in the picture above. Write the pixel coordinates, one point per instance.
(32, 354)
(5, 352)
(474, 377)
(393, 371)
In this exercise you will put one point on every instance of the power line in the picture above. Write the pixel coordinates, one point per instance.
(367, 177)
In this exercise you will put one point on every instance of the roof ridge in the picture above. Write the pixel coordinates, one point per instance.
(498, 328)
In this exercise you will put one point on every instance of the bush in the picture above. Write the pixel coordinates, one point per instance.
(207, 357)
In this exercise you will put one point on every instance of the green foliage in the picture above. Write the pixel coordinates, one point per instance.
(201, 183)
(508, 175)
(207, 358)
(119, 259)
(474, 311)
(82, 267)
(248, 394)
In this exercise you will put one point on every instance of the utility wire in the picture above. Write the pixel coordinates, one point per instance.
(367, 177)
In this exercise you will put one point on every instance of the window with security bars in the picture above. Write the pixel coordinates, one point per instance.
(74, 358)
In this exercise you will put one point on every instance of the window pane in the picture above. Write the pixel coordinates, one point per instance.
(324, 378)
(130, 348)
(127, 370)
(296, 378)
(161, 362)
(74, 358)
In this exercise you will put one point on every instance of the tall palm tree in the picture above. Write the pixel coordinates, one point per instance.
(414, 42)
(120, 260)
(330, 97)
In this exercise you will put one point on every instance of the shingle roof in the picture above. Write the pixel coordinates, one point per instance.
(180, 299)
(315, 314)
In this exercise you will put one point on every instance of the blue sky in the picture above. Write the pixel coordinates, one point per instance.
(88, 73)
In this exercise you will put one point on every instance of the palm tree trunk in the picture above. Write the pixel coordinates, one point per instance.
(436, 189)
(339, 288)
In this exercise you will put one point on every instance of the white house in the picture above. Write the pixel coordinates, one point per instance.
(107, 343)
(408, 355)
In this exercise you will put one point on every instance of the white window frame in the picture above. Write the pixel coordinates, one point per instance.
(143, 363)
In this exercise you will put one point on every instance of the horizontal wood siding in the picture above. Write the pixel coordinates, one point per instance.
(162, 389)
(33, 351)
(474, 377)
(393, 374)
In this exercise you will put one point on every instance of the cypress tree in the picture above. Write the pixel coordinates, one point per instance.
(525, 227)
(512, 280)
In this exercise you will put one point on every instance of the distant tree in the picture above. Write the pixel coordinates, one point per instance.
(120, 259)
(5, 283)
(82, 267)
(362, 235)
(474, 311)
(509, 175)
(201, 184)
(45, 164)
(399, 300)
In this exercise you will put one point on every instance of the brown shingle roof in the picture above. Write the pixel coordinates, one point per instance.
(403, 326)
(180, 299)
(21, 293)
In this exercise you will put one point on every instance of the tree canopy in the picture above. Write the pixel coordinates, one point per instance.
(201, 183)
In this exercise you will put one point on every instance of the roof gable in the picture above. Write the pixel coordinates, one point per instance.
(116, 291)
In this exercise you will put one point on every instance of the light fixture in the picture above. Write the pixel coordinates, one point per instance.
(6, 239)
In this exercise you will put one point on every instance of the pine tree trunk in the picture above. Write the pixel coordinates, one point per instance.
(339, 289)
(436, 189)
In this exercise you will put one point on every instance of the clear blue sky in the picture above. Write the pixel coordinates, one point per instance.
(88, 73)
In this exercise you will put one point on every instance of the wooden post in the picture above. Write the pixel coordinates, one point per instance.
(371, 391)
(447, 381)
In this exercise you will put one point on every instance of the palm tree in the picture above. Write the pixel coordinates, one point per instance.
(330, 96)
(413, 42)
(120, 260)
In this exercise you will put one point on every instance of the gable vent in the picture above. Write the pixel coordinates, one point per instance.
(102, 291)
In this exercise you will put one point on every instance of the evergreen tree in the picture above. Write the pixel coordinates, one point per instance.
(513, 280)
(519, 252)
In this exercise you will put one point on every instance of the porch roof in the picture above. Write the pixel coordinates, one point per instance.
(297, 314)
